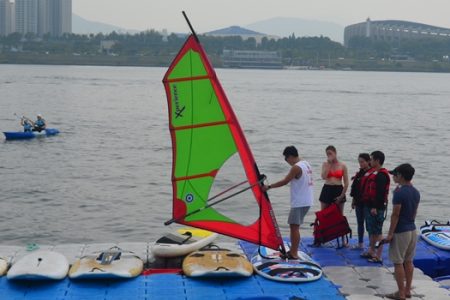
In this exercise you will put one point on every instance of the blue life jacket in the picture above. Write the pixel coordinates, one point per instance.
(39, 123)
(27, 127)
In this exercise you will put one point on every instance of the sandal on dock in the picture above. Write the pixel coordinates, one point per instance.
(356, 247)
(394, 296)
(375, 260)
(366, 255)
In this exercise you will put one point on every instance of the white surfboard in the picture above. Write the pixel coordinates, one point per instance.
(182, 242)
(270, 265)
(112, 263)
(40, 265)
(3, 266)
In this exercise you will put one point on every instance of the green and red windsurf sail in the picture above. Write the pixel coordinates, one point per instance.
(205, 134)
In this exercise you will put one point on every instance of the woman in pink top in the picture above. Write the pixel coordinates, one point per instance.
(335, 175)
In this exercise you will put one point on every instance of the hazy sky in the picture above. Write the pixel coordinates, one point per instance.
(207, 15)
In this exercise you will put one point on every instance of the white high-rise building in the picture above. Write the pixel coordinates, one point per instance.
(55, 17)
(60, 17)
(27, 16)
(66, 16)
(42, 17)
(13, 16)
(7, 17)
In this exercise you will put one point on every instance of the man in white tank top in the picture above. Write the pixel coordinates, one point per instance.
(301, 184)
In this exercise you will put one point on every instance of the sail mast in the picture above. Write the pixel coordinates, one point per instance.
(190, 26)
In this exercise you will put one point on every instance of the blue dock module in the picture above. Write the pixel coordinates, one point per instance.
(168, 287)
(39, 290)
(444, 281)
(425, 253)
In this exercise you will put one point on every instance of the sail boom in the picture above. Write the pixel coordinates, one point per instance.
(199, 125)
(213, 173)
(188, 79)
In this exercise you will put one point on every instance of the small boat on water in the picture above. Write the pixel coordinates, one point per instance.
(20, 135)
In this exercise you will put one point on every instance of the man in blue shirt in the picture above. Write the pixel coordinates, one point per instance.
(402, 234)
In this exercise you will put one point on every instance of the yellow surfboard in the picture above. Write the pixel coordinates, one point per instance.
(217, 263)
(3, 266)
(112, 263)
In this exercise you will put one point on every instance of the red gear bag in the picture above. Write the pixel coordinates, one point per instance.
(330, 224)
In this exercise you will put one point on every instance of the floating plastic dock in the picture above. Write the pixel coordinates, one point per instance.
(357, 278)
(432, 261)
(168, 286)
(346, 276)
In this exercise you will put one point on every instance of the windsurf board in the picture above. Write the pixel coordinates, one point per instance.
(436, 234)
(3, 266)
(269, 264)
(111, 263)
(182, 242)
(216, 262)
(39, 265)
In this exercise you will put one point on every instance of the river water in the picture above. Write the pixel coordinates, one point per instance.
(106, 177)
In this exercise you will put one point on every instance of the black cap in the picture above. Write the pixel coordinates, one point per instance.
(406, 170)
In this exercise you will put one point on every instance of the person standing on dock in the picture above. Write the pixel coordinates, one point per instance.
(375, 189)
(335, 174)
(402, 236)
(302, 196)
(356, 194)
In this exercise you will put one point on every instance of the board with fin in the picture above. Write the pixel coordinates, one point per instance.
(111, 263)
(40, 265)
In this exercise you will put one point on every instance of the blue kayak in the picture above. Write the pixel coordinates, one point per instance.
(20, 135)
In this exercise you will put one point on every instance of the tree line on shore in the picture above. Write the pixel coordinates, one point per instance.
(294, 50)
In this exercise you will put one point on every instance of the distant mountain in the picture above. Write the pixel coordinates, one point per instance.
(284, 27)
(83, 26)
(234, 30)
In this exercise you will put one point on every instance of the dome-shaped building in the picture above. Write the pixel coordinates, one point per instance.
(393, 30)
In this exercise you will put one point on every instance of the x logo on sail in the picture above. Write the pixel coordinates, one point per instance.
(178, 112)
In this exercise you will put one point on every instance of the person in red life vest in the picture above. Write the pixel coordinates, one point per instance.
(356, 194)
(300, 179)
(375, 190)
(402, 236)
(335, 174)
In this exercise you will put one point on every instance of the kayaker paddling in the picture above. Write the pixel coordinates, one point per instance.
(27, 124)
(39, 124)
